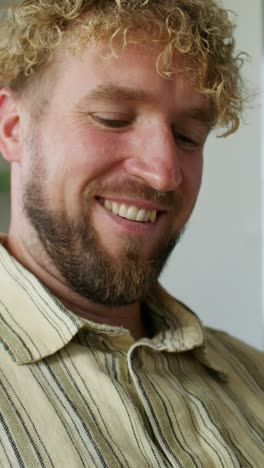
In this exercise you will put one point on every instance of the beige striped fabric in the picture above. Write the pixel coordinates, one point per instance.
(77, 394)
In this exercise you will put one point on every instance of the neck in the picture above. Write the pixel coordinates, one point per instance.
(129, 317)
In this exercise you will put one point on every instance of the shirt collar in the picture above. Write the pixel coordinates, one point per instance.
(183, 331)
(35, 324)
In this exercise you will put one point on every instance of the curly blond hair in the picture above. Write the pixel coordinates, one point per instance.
(198, 29)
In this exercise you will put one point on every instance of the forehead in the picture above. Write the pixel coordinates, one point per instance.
(132, 74)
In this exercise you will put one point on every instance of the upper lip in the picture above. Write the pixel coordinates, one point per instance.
(148, 205)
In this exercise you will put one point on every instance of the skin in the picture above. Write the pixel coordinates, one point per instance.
(151, 156)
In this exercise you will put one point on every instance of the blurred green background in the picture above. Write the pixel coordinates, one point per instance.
(4, 168)
(4, 181)
(4, 176)
(4, 195)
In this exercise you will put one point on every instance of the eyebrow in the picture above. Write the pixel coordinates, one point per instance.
(203, 114)
(113, 93)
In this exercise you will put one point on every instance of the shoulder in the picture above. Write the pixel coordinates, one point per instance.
(235, 356)
(231, 343)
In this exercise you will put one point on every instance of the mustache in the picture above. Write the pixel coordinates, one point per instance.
(134, 189)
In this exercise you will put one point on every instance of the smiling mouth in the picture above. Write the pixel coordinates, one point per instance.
(130, 212)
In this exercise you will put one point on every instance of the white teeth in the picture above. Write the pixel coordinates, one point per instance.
(147, 218)
(108, 205)
(123, 211)
(115, 208)
(132, 212)
(141, 215)
(153, 216)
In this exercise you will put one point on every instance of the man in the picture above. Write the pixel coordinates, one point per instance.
(105, 107)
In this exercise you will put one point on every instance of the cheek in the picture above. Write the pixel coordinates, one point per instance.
(192, 169)
(87, 157)
(191, 182)
(91, 153)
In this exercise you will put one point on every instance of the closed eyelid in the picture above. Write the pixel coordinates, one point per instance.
(192, 128)
(111, 115)
(114, 122)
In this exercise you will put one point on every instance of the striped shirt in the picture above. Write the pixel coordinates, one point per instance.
(74, 393)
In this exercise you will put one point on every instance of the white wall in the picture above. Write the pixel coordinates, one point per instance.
(216, 269)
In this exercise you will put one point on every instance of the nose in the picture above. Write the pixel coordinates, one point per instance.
(155, 159)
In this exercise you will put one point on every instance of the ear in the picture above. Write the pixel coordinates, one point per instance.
(10, 135)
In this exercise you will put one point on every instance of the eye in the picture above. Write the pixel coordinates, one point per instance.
(186, 142)
(111, 123)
